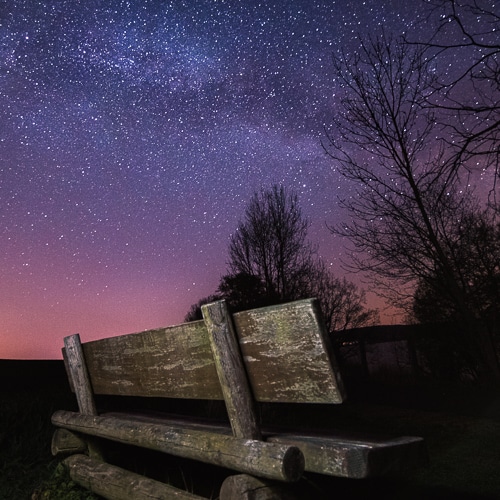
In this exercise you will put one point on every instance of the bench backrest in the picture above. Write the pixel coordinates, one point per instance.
(285, 349)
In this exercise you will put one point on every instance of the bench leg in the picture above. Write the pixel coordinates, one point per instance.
(114, 483)
(65, 442)
(246, 487)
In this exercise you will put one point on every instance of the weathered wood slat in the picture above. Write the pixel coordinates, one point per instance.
(287, 354)
(357, 458)
(114, 483)
(285, 351)
(277, 354)
(231, 371)
(268, 460)
(173, 362)
(349, 455)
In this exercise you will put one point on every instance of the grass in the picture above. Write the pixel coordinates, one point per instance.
(463, 449)
(27, 468)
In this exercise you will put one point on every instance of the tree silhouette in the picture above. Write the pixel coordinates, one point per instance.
(242, 291)
(194, 313)
(342, 303)
(271, 261)
(476, 250)
(467, 96)
(271, 244)
(386, 140)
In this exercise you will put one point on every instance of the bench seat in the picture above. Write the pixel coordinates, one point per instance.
(279, 355)
(334, 453)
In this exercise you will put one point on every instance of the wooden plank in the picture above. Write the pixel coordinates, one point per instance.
(114, 483)
(173, 362)
(287, 354)
(285, 349)
(268, 460)
(336, 454)
(231, 371)
(357, 457)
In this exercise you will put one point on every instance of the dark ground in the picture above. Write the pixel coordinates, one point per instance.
(460, 425)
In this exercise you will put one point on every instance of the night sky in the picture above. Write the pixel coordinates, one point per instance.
(132, 135)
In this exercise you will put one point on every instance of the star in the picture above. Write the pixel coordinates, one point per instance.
(133, 133)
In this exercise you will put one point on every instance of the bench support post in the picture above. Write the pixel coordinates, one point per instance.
(80, 375)
(81, 383)
(65, 442)
(231, 370)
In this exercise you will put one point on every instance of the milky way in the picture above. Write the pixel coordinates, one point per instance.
(132, 135)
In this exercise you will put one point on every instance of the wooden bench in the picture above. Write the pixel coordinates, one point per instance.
(278, 354)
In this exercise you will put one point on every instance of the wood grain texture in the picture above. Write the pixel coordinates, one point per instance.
(114, 483)
(79, 375)
(275, 354)
(285, 350)
(268, 460)
(357, 457)
(231, 371)
(173, 362)
(350, 455)
(287, 354)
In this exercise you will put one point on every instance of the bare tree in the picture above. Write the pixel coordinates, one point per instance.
(271, 261)
(467, 95)
(271, 244)
(342, 303)
(271, 255)
(475, 248)
(382, 141)
(388, 143)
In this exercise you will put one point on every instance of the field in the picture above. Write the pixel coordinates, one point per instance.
(462, 430)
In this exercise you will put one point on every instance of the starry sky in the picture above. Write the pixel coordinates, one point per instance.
(132, 136)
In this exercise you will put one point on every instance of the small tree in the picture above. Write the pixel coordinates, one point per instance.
(342, 303)
(475, 246)
(270, 244)
(271, 261)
